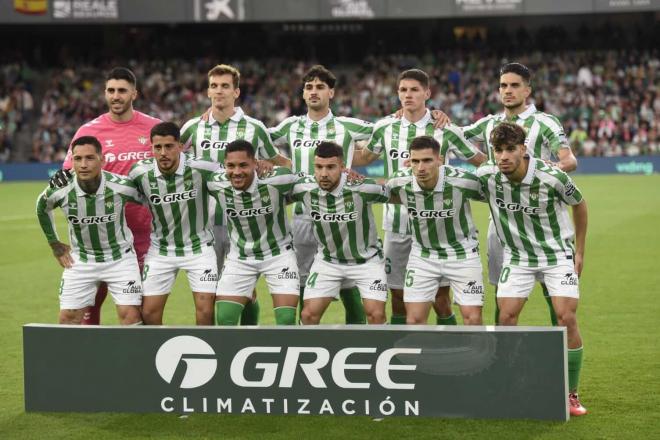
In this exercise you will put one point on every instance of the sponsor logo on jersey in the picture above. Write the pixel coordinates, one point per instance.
(398, 154)
(127, 156)
(109, 143)
(286, 274)
(142, 140)
(473, 288)
(109, 204)
(132, 287)
(512, 206)
(213, 145)
(378, 285)
(306, 143)
(92, 220)
(172, 197)
(429, 213)
(569, 279)
(330, 217)
(209, 275)
(249, 212)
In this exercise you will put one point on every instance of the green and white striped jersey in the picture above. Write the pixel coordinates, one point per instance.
(256, 218)
(208, 140)
(392, 137)
(545, 135)
(344, 223)
(531, 218)
(178, 204)
(441, 218)
(97, 226)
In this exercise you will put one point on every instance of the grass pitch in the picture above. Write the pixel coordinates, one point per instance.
(619, 319)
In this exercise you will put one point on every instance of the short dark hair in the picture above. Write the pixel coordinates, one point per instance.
(165, 129)
(424, 142)
(415, 74)
(122, 73)
(518, 69)
(87, 140)
(240, 145)
(320, 72)
(327, 149)
(507, 133)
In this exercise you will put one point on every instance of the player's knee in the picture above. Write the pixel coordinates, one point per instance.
(414, 320)
(472, 318)
(70, 317)
(507, 317)
(129, 315)
(567, 319)
(376, 315)
(309, 317)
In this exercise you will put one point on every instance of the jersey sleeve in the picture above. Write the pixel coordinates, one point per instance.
(206, 168)
(279, 133)
(265, 148)
(566, 189)
(553, 133)
(372, 192)
(126, 187)
(301, 187)
(453, 140)
(466, 182)
(396, 184)
(189, 133)
(376, 142)
(476, 132)
(281, 178)
(358, 129)
(46, 202)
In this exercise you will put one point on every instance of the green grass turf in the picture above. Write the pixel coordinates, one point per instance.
(618, 315)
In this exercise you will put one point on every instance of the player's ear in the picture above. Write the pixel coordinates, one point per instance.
(332, 93)
(237, 92)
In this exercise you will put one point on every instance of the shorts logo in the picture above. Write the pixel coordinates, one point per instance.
(512, 206)
(569, 280)
(209, 275)
(172, 197)
(94, 220)
(250, 212)
(399, 154)
(306, 143)
(472, 288)
(378, 285)
(334, 217)
(132, 287)
(444, 213)
(287, 274)
(217, 145)
(189, 357)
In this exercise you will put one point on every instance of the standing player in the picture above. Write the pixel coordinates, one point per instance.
(545, 139)
(208, 136)
(304, 134)
(101, 245)
(349, 249)
(445, 246)
(391, 138)
(124, 135)
(174, 187)
(261, 242)
(529, 206)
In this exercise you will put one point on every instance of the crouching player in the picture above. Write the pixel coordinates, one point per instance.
(101, 248)
(259, 234)
(349, 251)
(529, 203)
(445, 245)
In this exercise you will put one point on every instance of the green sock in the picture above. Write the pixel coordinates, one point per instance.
(285, 315)
(227, 312)
(398, 319)
(548, 299)
(574, 367)
(250, 315)
(353, 305)
(449, 320)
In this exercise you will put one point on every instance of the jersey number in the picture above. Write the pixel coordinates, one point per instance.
(311, 280)
(504, 276)
(409, 277)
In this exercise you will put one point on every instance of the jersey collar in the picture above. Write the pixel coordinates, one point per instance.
(337, 191)
(439, 187)
(322, 122)
(81, 193)
(422, 123)
(529, 111)
(179, 170)
(237, 116)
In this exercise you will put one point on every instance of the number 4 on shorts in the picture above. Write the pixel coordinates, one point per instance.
(311, 279)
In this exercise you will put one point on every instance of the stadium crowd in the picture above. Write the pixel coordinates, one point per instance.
(608, 101)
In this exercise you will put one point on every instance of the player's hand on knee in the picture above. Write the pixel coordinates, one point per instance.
(60, 179)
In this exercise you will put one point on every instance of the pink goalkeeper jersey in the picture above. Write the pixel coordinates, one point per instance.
(124, 143)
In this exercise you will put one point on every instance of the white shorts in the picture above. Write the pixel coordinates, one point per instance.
(239, 277)
(397, 250)
(424, 276)
(80, 282)
(220, 244)
(496, 256)
(327, 279)
(304, 244)
(160, 272)
(518, 281)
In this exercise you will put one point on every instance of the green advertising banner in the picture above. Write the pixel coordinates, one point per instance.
(376, 371)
